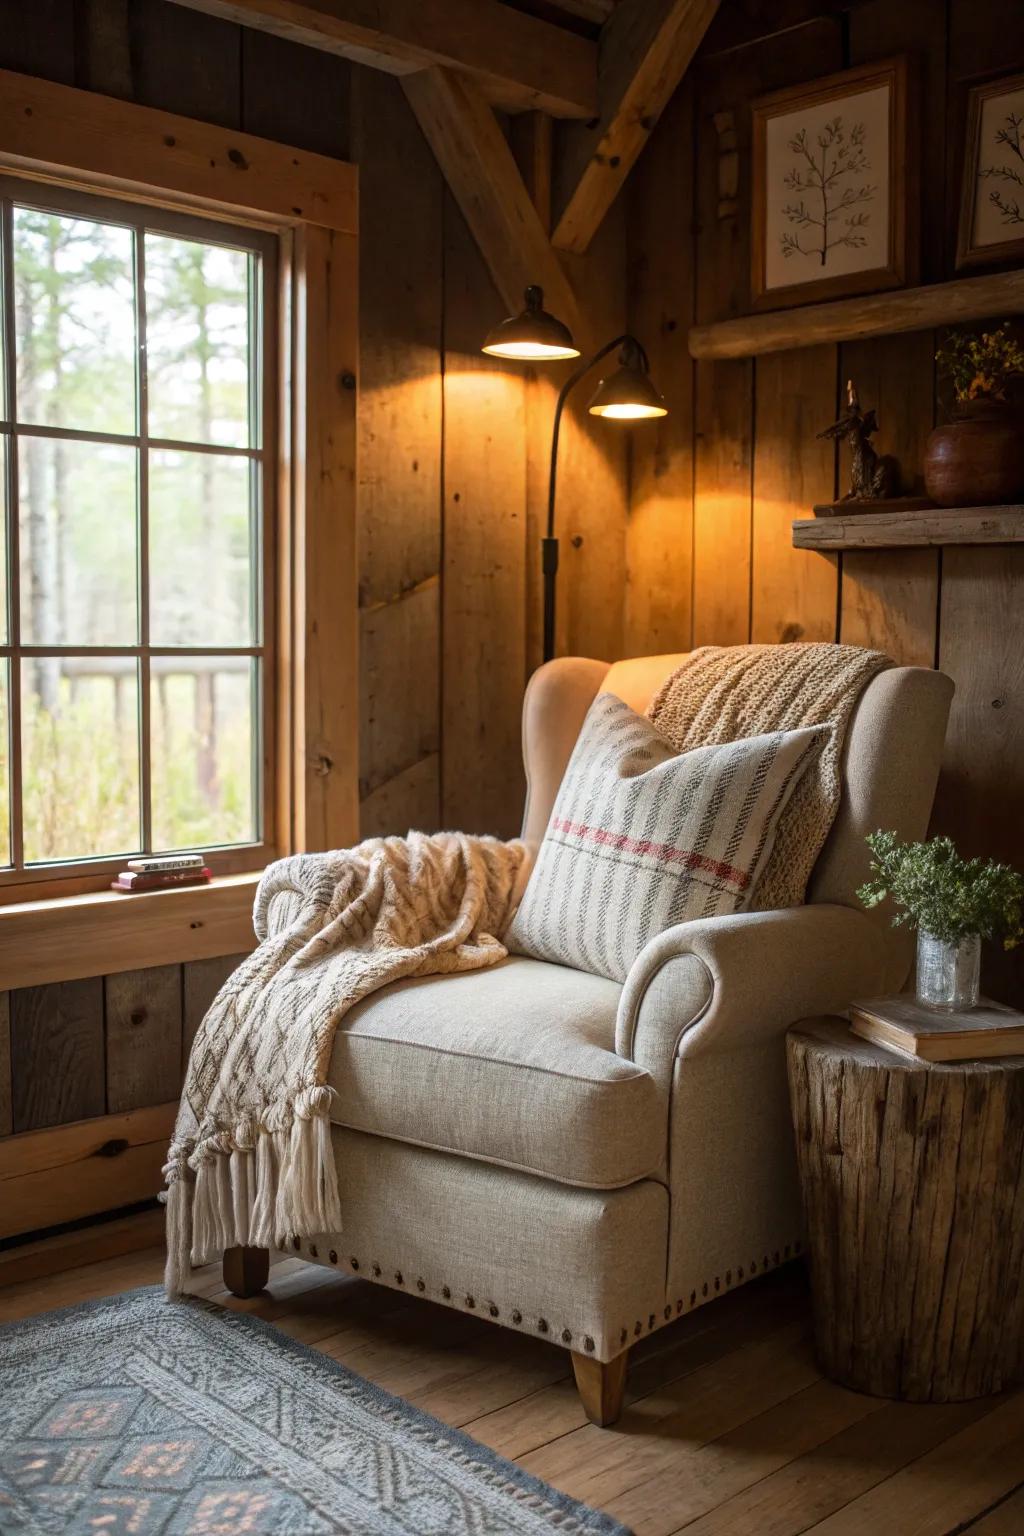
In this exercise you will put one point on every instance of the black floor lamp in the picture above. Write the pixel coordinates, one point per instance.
(626, 395)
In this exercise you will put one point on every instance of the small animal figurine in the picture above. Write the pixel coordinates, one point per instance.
(873, 476)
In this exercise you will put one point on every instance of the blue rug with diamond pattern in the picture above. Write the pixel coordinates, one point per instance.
(136, 1416)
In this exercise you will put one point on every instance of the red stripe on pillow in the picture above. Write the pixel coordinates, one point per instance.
(661, 851)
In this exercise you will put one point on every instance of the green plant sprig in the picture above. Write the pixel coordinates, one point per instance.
(981, 367)
(948, 896)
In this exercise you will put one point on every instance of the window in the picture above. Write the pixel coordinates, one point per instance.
(134, 571)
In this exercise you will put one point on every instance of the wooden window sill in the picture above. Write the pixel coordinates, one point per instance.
(64, 938)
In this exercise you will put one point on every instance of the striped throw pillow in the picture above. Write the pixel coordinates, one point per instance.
(642, 837)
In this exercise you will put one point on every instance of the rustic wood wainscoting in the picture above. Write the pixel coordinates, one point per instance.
(756, 464)
(90, 1073)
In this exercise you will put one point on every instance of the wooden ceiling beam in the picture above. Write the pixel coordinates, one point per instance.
(481, 171)
(646, 48)
(517, 61)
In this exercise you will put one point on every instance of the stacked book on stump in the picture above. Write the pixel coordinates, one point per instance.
(903, 1024)
(162, 872)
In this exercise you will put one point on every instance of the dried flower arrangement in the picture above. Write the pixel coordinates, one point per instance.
(981, 367)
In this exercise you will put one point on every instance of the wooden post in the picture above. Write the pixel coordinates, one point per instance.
(915, 1214)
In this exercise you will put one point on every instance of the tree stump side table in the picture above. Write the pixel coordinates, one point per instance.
(913, 1186)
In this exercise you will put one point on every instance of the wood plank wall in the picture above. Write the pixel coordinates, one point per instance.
(90, 1073)
(723, 511)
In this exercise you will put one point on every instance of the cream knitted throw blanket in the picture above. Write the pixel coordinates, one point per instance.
(721, 693)
(251, 1161)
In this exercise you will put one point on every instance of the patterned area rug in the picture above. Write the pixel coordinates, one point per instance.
(135, 1416)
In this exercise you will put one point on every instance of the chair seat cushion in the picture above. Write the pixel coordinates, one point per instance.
(515, 1065)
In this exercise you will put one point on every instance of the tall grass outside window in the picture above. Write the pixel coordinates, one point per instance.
(133, 559)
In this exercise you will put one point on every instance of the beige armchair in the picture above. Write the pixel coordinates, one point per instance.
(586, 1161)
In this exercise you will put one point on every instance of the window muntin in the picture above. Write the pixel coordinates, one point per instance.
(134, 577)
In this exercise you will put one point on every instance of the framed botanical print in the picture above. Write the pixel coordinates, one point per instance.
(992, 203)
(833, 210)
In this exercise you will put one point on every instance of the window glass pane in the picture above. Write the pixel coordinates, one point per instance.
(74, 304)
(5, 764)
(80, 756)
(203, 750)
(77, 542)
(4, 612)
(197, 341)
(200, 561)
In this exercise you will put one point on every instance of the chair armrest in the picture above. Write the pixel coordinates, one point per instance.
(725, 982)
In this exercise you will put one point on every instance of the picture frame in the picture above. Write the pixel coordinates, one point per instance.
(992, 186)
(834, 187)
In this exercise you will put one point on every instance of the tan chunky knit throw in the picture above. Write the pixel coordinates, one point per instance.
(251, 1160)
(721, 693)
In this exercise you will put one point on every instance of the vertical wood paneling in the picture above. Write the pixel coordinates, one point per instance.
(6, 1124)
(400, 317)
(793, 597)
(183, 61)
(44, 47)
(659, 532)
(981, 645)
(202, 980)
(484, 644)
(143, 1010)
(593, 474)
(295, 95)
(57, 1053)
(730, 564)
(890, 597)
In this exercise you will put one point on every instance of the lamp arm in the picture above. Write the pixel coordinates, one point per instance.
(563, 394)
(549, 545)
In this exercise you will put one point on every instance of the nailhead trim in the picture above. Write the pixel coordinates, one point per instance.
(543, 1325)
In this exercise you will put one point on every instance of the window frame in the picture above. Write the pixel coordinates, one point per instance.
(19, 881)
(309, 203)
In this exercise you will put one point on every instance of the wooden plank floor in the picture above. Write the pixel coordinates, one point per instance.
(729, 1430)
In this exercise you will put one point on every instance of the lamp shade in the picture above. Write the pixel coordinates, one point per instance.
(533, 335)
(628, 395)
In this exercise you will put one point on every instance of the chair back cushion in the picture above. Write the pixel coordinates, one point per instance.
(890, 761)
(642, 837)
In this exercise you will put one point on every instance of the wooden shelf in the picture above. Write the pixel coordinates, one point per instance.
(899, 530)
(877, 314)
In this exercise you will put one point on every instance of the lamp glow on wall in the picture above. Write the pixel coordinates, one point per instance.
(625, 395)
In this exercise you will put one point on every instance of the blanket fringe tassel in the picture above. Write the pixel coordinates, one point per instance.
(264, 1183)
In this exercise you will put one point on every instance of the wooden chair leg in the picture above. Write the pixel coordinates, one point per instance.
(246, 1270)
(601, 1385)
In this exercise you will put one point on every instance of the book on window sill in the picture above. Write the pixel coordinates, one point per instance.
(165, 863)
(904, 1025)
(130, 882)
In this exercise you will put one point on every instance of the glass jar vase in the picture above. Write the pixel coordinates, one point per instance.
(948, 972)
